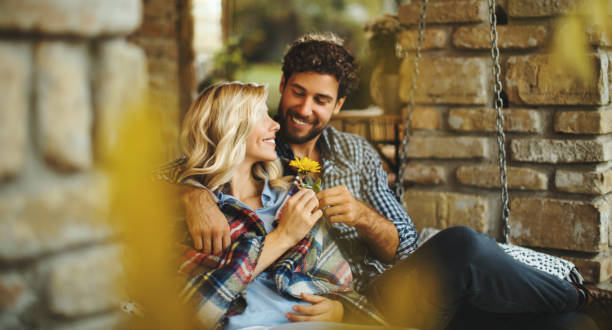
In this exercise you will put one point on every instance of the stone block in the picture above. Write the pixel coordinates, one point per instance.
(85, 282)
(16, 295)
(487, 176)
(433, 38)
(598, 182)
(561, 151)
(447, 147)
(463, 11)
(509, 36)
(467, 210)
(485, 120)
(540, 8)
(15, 63)
(63, 104)
(584, 122)
(426, 208)
(595, 269)
(442, 210)
(51, 218)
(119, 86)
(559, 224)
(538, 80)
(444, 80)
(425, 118)
(424, 174)
(76, 17)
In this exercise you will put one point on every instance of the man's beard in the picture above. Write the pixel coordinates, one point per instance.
(291, 139)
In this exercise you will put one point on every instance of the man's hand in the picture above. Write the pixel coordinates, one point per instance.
(378, 232)
(340, 205)
(322, 309)
(207, 225)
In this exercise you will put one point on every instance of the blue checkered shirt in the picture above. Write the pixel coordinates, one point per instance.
(349, 160)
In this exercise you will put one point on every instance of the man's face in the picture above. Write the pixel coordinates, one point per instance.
(308, 101)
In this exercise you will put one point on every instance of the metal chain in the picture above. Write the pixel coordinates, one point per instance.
(501, 137)
(401, 53)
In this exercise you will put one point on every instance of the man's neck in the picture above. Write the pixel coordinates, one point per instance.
(307, 149)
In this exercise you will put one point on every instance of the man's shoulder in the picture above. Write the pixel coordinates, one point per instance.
(343, 138)
(348, 144)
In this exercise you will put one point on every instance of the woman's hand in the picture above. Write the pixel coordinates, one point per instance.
(299, 215)
(322, 309)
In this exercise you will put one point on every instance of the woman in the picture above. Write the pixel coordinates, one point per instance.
(281, 266)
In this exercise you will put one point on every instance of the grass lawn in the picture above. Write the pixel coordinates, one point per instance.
(264, 73)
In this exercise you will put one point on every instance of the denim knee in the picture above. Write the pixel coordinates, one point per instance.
(460, 243)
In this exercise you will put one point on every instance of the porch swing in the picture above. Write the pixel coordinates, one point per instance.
(384, 130)
(544, 262)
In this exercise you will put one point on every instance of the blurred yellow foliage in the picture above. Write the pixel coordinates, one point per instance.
(571, 43)
(142, 214)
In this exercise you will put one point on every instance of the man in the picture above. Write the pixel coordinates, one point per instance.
(456, 275)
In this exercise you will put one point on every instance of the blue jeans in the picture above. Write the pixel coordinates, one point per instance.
(460, 273)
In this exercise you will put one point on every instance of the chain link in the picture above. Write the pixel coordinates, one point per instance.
(401, 53)
(501, 137)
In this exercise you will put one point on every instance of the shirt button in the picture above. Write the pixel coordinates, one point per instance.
(269, 203)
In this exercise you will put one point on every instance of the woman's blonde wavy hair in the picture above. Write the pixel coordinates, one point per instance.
(215, 131)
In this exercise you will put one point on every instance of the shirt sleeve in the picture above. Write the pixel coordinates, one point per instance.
(213, 282)
(384, 201)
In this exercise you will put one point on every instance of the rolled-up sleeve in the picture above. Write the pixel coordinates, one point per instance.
(384, 201)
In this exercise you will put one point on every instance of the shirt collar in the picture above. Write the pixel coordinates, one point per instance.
(267, 195)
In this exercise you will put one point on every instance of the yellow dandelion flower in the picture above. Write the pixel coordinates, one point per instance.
(305, 165)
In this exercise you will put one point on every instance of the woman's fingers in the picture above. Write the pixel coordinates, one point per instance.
(303, 318)
(311, 204)
(320, 310)
(311, 298)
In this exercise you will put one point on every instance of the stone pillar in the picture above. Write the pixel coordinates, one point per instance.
(559, 149)
(166, 36)
(66, 73)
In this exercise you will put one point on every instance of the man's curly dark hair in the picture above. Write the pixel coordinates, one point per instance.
(322, 53)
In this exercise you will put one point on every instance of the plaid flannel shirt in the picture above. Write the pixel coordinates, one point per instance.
(215, 283)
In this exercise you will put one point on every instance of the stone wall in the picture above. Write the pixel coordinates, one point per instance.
(558, 131)
(66, 73)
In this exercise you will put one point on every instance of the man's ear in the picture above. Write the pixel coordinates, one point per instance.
(338, 105)
(281, 86)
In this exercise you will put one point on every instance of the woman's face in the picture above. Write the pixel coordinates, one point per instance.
(260, 145)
